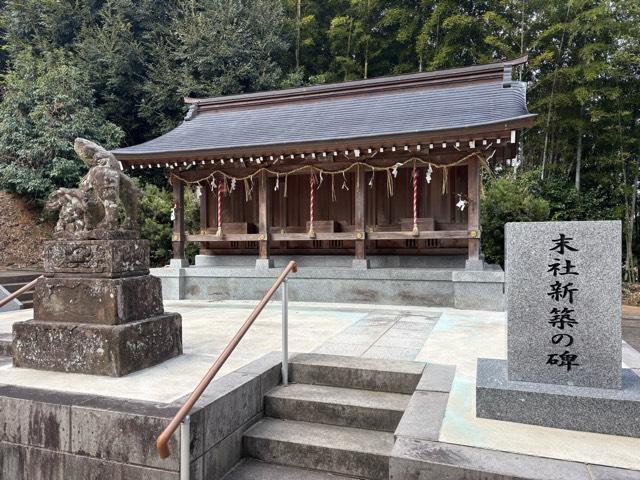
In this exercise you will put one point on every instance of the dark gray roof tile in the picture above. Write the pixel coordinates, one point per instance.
(342, 118)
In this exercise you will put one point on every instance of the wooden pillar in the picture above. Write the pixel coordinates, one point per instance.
(204, 208)
(204, 218)
(264, 207)
(178, 221)
(359, 218)
(473, 213)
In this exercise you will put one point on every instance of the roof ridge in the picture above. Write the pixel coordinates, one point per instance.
(498, 71)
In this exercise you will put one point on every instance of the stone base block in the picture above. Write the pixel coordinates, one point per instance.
(600, 410)
(474, 265)
(97, 300)
(178, 263)
(96, 258)
(360, 263)
(97, 349)
(264, 263)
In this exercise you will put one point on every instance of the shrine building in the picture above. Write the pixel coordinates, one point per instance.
(372, 185)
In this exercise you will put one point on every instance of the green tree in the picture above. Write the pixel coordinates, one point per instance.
(506, 200)
(458, 33)
(307, 30)
(584, 73)
(213, 47)
(47, 103)
(40, 26)
(111, 54)
(360, 40)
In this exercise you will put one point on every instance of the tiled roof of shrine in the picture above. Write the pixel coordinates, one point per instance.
(358, 111)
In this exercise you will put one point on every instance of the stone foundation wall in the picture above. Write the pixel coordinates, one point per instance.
(476, 290)
(48, 435)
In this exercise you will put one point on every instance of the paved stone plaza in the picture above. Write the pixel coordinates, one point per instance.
(445, 336)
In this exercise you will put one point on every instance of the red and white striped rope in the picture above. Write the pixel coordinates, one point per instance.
(415, 199)
(312, 184)
(415, 196)
(220, 208)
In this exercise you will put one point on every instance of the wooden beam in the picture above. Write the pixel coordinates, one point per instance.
(473, 212)
(226, 237)
(264, 206)
(178, 237)
(360, 209)
(297, 237)
(424, 234)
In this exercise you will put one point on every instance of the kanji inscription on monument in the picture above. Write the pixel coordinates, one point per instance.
(563, 303)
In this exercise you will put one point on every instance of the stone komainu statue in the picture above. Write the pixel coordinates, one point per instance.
(106, 203)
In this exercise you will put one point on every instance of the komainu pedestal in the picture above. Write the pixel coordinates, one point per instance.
(97, 310)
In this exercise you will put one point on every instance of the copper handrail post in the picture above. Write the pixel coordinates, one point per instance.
(163, 438)
(18, 292)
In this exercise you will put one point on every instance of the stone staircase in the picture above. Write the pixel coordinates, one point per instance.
(335, 420)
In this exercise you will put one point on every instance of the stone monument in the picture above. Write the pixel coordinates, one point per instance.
(97, 310)
(563, 367)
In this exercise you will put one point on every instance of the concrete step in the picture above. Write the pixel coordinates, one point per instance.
(26, 303)
(255, 470)
(5, 360)
(395, 376)
(26, 296)
(14, 276)
(337, 406)
(342, 450)
(16, 283)
(12, 287)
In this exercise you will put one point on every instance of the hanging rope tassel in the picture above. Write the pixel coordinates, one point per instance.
(333, 188)
(312, 182)
(484, 162)
(445, 179)
(219, 232)
(247, 190)
(416, 231)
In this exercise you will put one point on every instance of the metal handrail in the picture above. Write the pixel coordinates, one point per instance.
(163, 438)
(19, 292)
